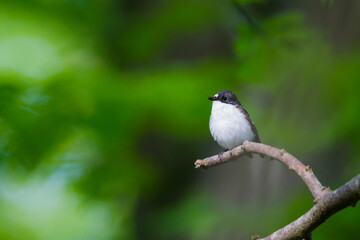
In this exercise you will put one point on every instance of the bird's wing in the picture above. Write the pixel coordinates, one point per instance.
(253, 128)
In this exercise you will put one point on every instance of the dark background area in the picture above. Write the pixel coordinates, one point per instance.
(103, 111)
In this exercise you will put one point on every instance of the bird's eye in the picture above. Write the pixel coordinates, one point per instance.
(224, 98)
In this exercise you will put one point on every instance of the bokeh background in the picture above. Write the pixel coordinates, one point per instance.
(103, 111)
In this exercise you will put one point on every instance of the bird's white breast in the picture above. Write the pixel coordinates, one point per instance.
(228, 125)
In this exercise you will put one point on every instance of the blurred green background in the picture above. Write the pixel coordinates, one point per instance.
(103, 110)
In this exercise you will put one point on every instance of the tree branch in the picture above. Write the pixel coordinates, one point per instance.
(327, 202)
(305, 172)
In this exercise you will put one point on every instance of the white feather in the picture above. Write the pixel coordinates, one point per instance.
(228, 125)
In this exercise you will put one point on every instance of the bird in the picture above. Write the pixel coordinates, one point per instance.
(230, 124)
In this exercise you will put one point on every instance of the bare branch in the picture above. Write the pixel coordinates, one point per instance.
(329, 204)
(305, 172)
(220, 158)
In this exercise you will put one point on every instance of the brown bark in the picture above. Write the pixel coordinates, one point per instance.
(327, 202)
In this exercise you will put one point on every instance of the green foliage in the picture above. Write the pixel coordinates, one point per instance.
(247, 1)
(103, 110)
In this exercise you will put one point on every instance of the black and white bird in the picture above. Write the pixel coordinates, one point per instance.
(230, 124)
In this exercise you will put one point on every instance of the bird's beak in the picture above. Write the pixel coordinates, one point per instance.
(211, 98)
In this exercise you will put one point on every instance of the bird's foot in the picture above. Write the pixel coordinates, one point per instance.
(221, 153)
(226, 150)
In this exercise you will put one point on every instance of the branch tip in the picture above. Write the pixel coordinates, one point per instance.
(198, 163)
